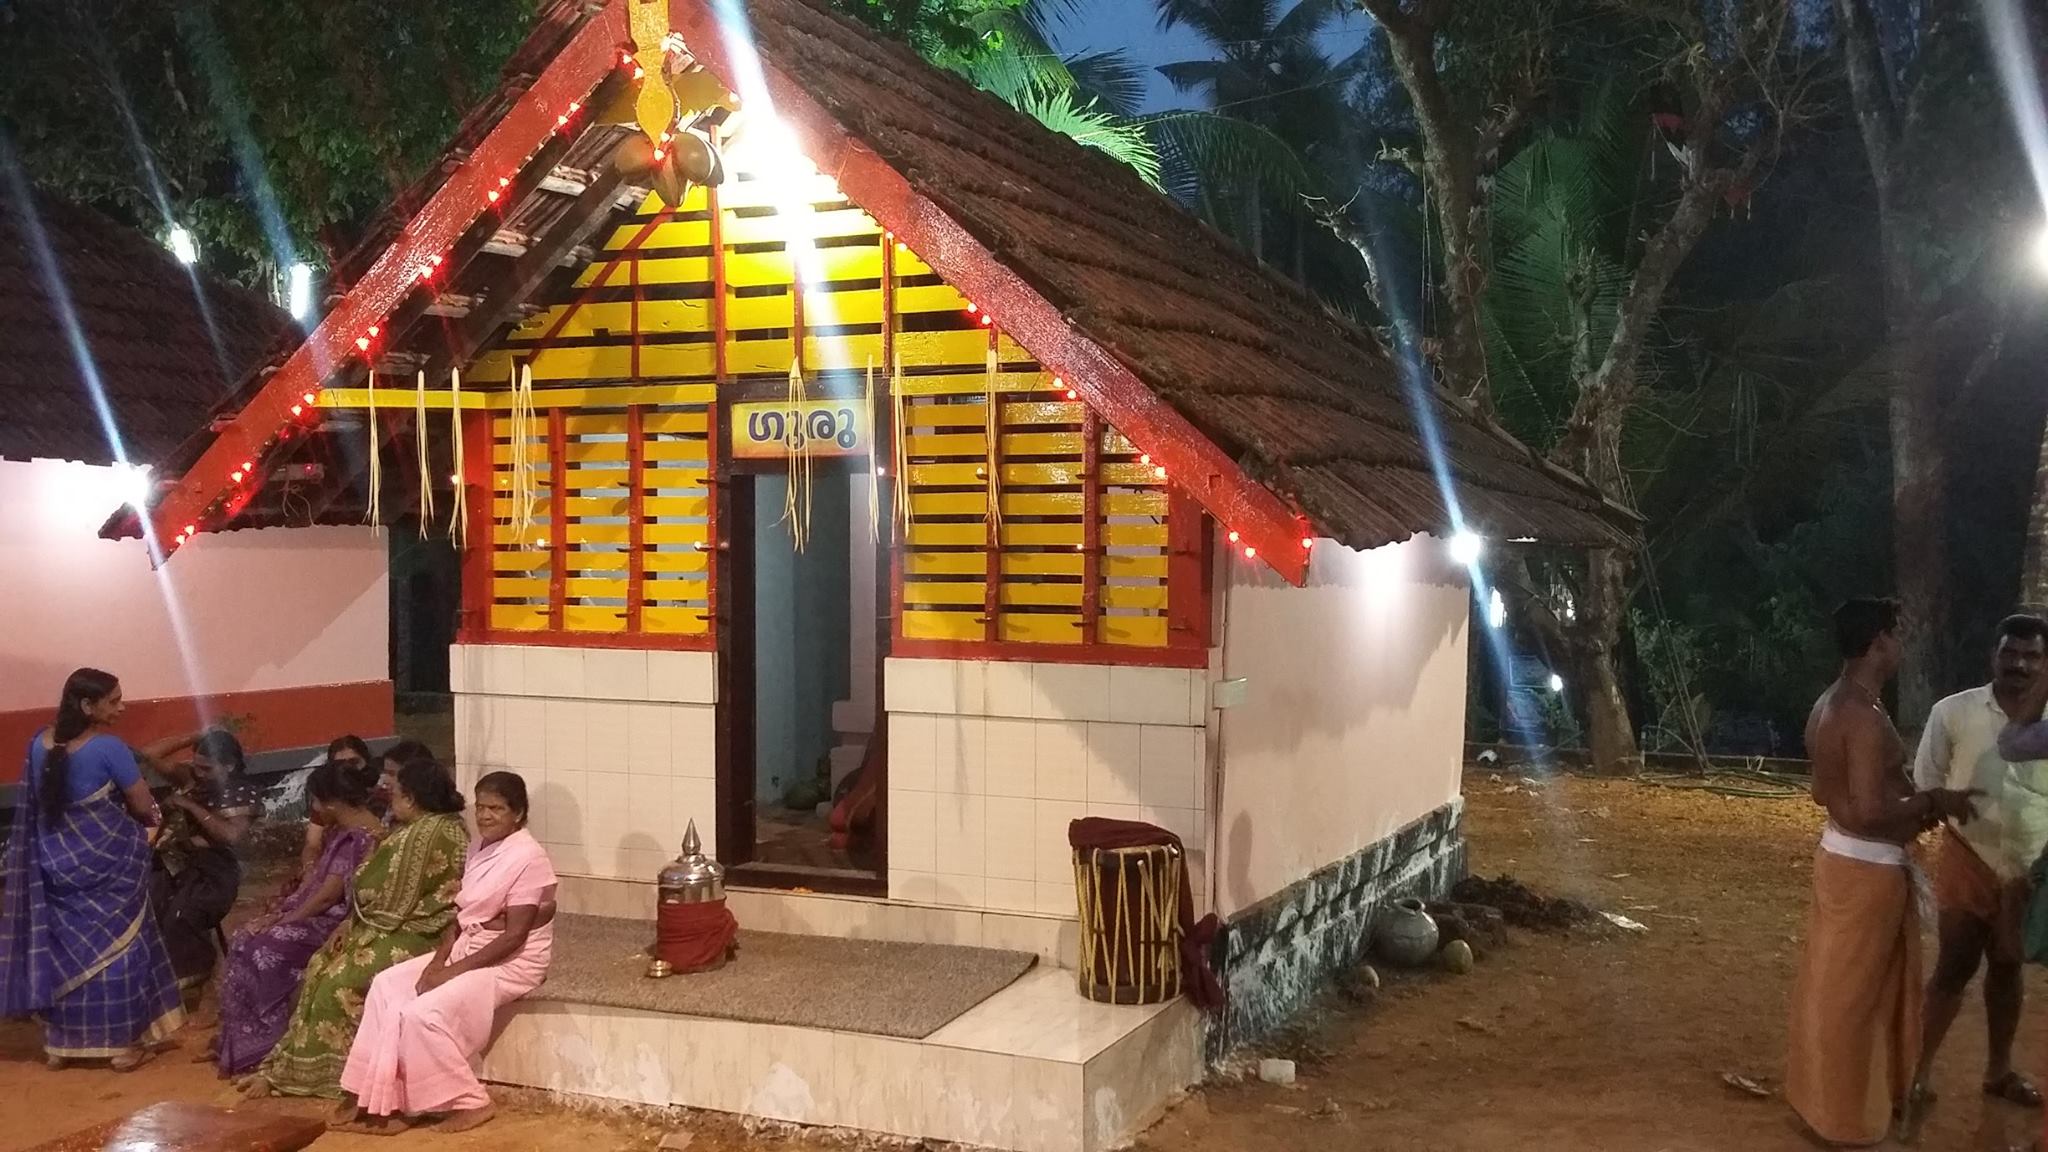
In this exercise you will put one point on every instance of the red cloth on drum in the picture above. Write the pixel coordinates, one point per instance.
(1196, 977)
(694, 937)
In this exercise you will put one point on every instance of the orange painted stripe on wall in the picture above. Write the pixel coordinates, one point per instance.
(276, 718)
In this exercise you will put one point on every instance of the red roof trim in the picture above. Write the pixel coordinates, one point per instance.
(569, 78)
(1191, 459)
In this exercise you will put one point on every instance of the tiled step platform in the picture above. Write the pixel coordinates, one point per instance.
(1034, 1067)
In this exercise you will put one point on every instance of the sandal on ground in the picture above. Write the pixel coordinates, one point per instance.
(2013, 1088)
(467, 1119)
(373, 1126)
(132, 1059)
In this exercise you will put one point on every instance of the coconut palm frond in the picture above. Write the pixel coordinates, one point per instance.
(1207, 150)
(1115, 80)
(1065, 111)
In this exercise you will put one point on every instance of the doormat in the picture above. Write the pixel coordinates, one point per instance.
(876, 987)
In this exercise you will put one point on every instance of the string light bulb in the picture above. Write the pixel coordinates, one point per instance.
(308, 398)
(236, 475)
(1160, 471)
(1233, 536)
(1145, 458)
(1250, 553)
(1308, 542)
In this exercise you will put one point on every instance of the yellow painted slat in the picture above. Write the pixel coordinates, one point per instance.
(778, 229)
(659, 506)
(927, 592)
(1015, 535)
(1148, 596)
(1134, 535)
(674, 588)
(908, 263)
(601, 424)
(594, 587)
(946, 444)
(759, 356)
(579, 560)
(518, 618)
(589, 618)
(1043, 412)
(668, 234)
(582, 453)
(929, 298)
(1043, 564)
(753, 269)
(857, 306)
(651, 271)
(505, 537)
(853, 262)
(948, 504)
(672, 452)
(1134, 503)
(583, 479)
(1134, 567)
(691, 560)
(842, 352)
(684, 533)
(519, 589)
(673, 478)
(1041, 444)
(615, 318)
(1039, 628)
(673, 621)
(967, 347)
(1042, 594)
(976, 382)
(927, 535)
(1137, 631)
(747, 312)
(932, 625)
(519, 561)
(1131, 475)
(692, 421)
(946, 564)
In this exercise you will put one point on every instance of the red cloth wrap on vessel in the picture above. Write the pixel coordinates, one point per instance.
(1197, 979)
(693, 937)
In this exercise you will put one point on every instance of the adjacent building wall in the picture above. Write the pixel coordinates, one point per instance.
(1352, 724)
(288, 626)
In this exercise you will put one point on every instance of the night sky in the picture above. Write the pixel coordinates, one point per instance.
(1134, 26)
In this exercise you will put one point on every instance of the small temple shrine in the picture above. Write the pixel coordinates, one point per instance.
(846, 464)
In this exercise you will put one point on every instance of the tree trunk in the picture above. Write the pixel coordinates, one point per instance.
(1919, 523)
(1610, 734)
(2034, 570)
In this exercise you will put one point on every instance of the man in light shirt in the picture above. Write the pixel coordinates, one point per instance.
(1981, 866)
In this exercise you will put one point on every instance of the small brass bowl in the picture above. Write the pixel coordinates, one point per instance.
(658, 969)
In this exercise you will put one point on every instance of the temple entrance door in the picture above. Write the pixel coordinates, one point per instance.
(801, 792)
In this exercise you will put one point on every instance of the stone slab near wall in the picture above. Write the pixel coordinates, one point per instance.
(1275, 956)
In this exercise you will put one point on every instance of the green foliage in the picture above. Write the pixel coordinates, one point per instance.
(945, 32)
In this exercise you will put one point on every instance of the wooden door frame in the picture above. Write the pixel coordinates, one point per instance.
(735, 739)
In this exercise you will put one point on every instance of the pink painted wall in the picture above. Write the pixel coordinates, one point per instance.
(260, 610)
(1354, 719)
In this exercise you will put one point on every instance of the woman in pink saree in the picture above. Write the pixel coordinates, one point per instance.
(428, 1019)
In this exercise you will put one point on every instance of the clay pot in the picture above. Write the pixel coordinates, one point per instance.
(1404, 934)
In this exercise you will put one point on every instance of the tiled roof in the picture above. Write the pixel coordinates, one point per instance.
(163, 346)
(1305, 402)
(1308, 403)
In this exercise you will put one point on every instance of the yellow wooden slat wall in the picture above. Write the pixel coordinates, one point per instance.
(663, 298)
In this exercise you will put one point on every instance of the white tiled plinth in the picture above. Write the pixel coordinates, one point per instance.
(1035, 1068)
(1054, 940)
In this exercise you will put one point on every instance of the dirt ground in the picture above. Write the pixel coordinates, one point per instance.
(1581, 1041)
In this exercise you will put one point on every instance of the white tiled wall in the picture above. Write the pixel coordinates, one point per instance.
(990, 761)
(616, 746)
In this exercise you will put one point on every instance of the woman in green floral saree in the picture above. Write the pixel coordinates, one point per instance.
(401, 900)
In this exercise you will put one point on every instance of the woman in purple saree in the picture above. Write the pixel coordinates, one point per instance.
(79, 949)
(267, 958)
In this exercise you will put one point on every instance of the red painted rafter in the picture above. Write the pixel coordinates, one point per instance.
(1193, 462)
(453, 209)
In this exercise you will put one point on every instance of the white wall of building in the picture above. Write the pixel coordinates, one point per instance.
(989, 761)
(1353, 718)
(617, 747)
(234, 612)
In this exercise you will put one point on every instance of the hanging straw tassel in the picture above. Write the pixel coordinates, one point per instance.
(522, 456)
(874, 458)
(375, 514)
(994, 412)
(796, 499)
(458, 517)
(419, 436)
(900, 449)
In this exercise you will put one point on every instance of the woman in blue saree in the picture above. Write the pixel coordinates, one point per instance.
(79, 949)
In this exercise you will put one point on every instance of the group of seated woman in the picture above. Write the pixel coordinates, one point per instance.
(373, 979)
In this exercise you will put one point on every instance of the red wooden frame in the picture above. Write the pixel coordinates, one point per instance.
(448, 214)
